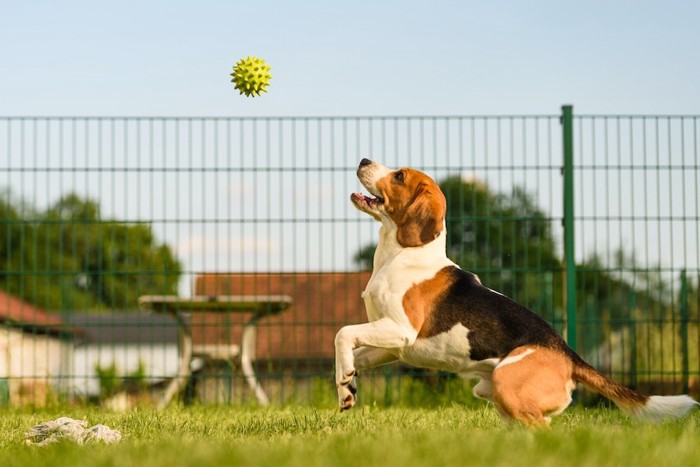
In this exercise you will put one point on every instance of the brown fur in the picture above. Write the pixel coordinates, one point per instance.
(535, 387)
(540, 385)
(416, 205)
(624, 397)
(418, 300)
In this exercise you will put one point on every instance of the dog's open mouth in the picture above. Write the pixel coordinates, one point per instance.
(366, 201)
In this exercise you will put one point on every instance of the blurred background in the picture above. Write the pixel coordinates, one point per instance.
(164, 238)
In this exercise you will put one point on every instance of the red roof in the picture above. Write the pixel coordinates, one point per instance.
(17, 312)
(322, 304)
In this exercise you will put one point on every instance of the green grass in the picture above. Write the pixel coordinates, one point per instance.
(456, 435)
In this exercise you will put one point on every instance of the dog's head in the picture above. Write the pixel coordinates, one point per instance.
(406, 199)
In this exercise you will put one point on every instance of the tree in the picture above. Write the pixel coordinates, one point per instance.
(10, 233)
(69, 257)
(505, 239)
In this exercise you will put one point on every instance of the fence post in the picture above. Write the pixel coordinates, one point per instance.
(685, 364)
(567, 121)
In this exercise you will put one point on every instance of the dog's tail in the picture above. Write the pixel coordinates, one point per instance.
(649, 408)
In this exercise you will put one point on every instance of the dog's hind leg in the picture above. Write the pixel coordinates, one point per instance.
(532, 384)
(484, 389)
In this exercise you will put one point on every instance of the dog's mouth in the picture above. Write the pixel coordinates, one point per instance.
(367, 202)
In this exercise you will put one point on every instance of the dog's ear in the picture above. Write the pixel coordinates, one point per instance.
(422, 221)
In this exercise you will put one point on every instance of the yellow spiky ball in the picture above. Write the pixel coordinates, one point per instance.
(251, 76)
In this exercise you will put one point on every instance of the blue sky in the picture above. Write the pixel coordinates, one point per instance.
(350, 58)
(359, 58)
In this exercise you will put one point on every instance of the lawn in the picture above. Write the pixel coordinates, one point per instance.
(448, 436)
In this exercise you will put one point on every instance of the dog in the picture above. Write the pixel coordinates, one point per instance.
(423, 309)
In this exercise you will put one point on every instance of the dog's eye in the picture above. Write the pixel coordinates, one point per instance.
(399, 176)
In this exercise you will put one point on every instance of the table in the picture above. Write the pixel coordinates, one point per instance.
(260, 306)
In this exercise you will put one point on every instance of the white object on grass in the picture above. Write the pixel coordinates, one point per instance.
(65, 428)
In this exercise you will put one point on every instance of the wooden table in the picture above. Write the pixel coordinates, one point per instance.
(260, 306)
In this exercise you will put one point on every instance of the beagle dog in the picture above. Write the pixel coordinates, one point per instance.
(426, 311)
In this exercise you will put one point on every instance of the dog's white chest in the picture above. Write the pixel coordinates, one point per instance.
(397, 271)
(383, 298)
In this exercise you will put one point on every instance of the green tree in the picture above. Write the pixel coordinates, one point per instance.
(505, 239)
(69, 257)
(10, 234)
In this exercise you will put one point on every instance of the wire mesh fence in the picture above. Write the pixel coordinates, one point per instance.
(100, 212)
(637, 218)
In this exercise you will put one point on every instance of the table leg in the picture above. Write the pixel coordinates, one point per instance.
(248, 350)
(178, 383)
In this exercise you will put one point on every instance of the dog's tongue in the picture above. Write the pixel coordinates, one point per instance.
(360, 197)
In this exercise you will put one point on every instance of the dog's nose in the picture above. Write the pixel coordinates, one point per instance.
(364, 162)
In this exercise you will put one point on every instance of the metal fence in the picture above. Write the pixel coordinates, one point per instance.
(592, 221)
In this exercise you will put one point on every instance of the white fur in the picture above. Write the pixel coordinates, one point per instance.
(445, 351)
(662, 408)
(397, 269)
(371, 175)
(515, 358)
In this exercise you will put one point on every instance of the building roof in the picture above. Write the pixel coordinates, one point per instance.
(323, 302)
(17, 313)
(125, 327)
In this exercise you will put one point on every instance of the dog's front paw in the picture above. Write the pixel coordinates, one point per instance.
(347, 388)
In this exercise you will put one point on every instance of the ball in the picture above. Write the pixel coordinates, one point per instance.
(251, 76)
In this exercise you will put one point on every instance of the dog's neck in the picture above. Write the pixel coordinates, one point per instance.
(389, 249)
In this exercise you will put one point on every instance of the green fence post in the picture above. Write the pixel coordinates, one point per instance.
(685, 364)
(633, 340)
(567, 121)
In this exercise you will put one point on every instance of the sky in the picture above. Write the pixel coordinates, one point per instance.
(167, 58)
(361, 58)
